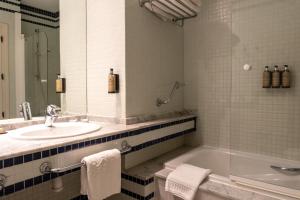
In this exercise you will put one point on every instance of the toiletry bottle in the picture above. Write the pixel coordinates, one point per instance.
(60, 84)
(2, 131)
(286, 77)
(276, 77)
(112, 82)
(267, 77)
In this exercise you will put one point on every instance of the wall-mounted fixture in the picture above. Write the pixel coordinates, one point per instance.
(174, 11)
(161, 101)
(113, 82)
(2, 181)
(60, 84)
(277, 78)
(45, 168)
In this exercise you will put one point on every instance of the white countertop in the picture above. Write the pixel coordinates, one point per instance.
(12, 147)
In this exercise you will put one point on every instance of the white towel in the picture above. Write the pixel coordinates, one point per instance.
(101, 175)
(184, 181)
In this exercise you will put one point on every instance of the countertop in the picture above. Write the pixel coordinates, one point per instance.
(10, 147)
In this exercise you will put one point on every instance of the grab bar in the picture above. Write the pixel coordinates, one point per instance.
(45, 168)
(286, 169)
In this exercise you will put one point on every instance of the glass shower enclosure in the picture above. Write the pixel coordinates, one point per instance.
(264, 122)
(37, 82)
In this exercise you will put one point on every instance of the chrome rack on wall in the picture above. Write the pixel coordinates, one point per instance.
(174, 11)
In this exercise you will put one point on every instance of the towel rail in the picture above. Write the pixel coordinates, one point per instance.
(45, 168)
(2, 181)
(286, 169)
(178, 10)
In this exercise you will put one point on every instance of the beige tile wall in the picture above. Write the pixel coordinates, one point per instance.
(265, 120)
(154, 61)
(73, 54)
(207, 71)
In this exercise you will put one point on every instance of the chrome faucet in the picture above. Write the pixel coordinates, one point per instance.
(25, 110)
(51, 114)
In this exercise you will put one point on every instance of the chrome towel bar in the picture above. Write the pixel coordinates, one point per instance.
(2, 181)
(286, 169)
(45, 168)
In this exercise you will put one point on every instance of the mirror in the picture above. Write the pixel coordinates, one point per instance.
(30, 54)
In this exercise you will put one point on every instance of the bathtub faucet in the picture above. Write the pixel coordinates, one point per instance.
(162, 101)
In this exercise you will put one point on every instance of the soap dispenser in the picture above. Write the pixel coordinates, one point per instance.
(60, 84)
(286, 77)
(112, 82)
(267, 77)
(276, 77)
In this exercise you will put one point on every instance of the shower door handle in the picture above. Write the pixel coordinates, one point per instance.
(286, 169)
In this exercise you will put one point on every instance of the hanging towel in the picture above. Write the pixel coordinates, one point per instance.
(101, 175)
(184, 181)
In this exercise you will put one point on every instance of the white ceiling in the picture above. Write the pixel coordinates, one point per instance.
(49, 5)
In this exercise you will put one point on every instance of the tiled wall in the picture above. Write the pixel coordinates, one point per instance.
(105, 50)
(154, 61)
(231, 102)
(73, 54)
(265, 120)
(207, 71)
(146, 52)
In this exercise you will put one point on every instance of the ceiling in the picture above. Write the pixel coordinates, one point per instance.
(49, 5)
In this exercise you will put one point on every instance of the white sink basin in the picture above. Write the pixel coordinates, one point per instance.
(60, 130)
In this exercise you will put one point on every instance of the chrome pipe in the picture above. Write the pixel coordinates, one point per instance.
(286, 169)
(2, 181)
(45, 168)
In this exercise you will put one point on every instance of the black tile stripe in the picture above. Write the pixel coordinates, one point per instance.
(39, 11)
(8, 10)
(39, 23)
(70, 147)
(81, 197)
(40, 17)
(137, 196)
(137, 180)
(10, 2)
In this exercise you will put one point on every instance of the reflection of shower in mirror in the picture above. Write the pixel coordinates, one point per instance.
(36, 65)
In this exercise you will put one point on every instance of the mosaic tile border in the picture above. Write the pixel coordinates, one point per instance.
(137, 196)
(46, 153)
(23, 8)
(137, 180)
(124, 191)
(39, 11)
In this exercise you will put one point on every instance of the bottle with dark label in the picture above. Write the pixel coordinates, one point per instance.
(276, 77)
(286, 77)
(267, 78)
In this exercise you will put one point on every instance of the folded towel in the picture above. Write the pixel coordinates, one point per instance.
(184, 181)
(101, 175)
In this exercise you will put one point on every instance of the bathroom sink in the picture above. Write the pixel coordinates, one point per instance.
(59, 130)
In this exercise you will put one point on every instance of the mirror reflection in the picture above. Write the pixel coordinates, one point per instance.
(30, 56)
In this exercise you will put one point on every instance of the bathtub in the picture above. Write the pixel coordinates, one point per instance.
(239, 171)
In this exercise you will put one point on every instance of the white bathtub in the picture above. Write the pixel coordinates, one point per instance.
(249, 172)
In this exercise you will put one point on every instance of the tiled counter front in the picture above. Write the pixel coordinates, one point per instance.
(23, 172)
